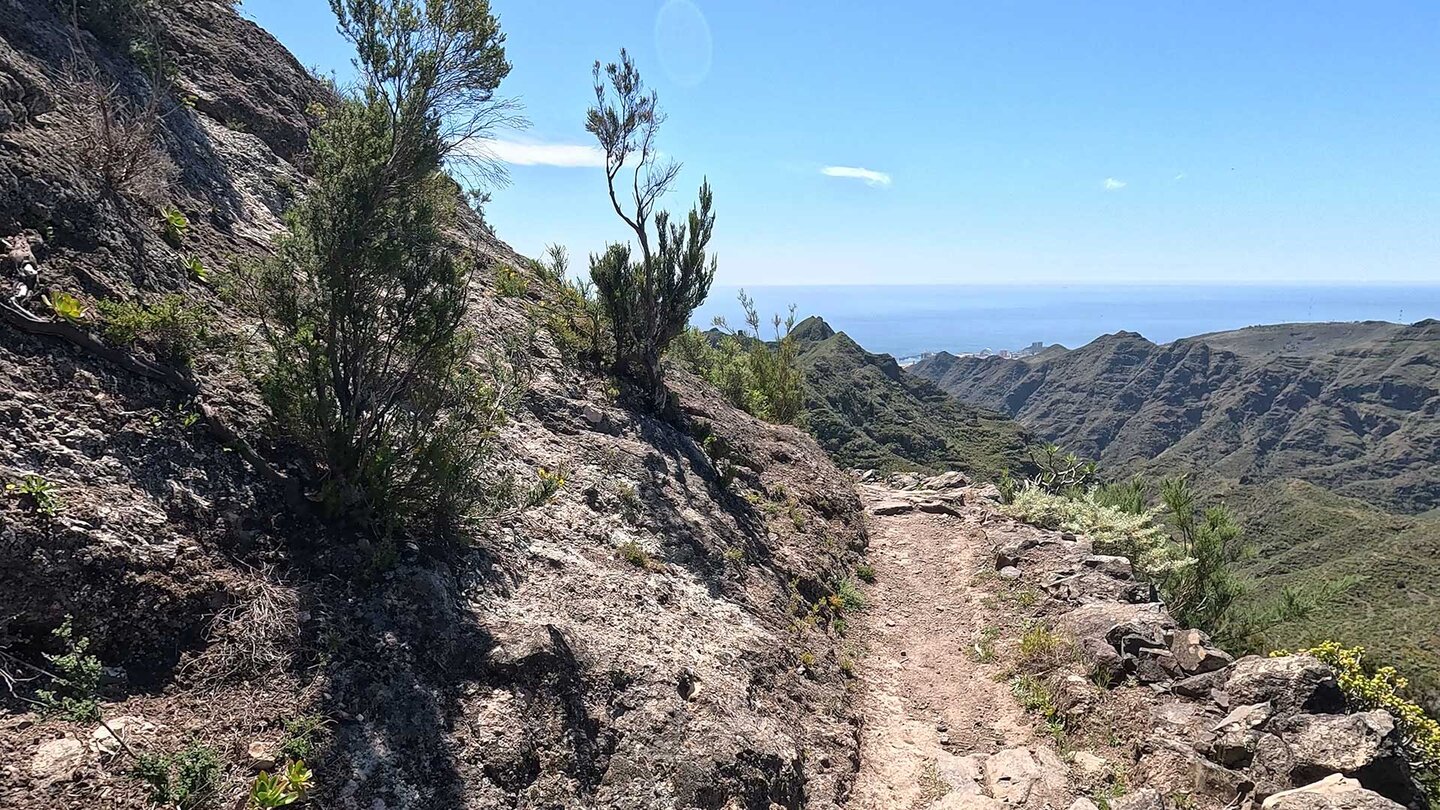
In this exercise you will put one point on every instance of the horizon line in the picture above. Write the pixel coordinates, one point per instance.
(1298, 284)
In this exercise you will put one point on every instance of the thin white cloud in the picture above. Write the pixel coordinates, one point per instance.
(1179, 177)
(518, 153)
(1111, 184)
(871, 177)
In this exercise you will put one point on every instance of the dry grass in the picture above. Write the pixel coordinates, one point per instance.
(118, 140)
(254, 635)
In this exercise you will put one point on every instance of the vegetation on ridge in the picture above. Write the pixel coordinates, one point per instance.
(370, 368)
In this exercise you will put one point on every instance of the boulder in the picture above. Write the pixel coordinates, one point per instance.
(937, 507)
(1290, 683)
(1201, 685)
(1012, 774)
(129, 727)
(947, 480)
(1196, 655)
(1234, 739)
(892, 507)
(1117, 567)
(1082, 803)
(1366, 746)
(1154, 665)
(981, 492)
(57, 760)
(1091, 768)
(1334, 792)
(1175, 768)
(1098, 619)
(1009, 573)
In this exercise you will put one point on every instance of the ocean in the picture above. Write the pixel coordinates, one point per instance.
(907, 320)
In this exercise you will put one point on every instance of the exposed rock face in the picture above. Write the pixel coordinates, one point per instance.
(1220, 731)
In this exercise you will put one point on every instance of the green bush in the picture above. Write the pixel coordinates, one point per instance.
(188, 779)
(39, 491)
(848, 597)
(66, 306)
(175, 330)
(762, 378)
(369, 368)
(1042, 649)
(1061, 472)
(283, 788)
(1188, 553)
(510, 283)
(1137, 537)
(76, 692)
(174, 225)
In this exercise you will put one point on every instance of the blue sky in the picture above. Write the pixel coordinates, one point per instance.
(991, 142)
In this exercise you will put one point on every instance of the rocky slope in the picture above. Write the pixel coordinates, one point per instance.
(645, 638)
(868, 412)
(1322, 437)
(1129, 711)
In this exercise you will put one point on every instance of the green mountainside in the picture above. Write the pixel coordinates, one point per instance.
(1322, 437)
(868, 412)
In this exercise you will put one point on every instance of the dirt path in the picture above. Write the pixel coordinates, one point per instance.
(933, 703)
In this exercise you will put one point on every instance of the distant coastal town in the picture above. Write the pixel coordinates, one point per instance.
(1006, 354)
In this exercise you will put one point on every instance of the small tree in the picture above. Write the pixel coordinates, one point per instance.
(363, 303)
(649, 301)
(1202, 591)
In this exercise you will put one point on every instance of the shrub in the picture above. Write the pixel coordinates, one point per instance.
(1383, 688)
(866, 572)
(76, 692)
(759, 377)
(1042, 650)
(847, 596)
(299, 740)
(187, 779)
(175, 330)
(196, 269)
(648, 301)
(1130, 496)
(1113, 531)
(1061, 472)
(1201, 592)
(1192, 565)
(369, 370)
(510, 283)
(635, 554)
(547, 484)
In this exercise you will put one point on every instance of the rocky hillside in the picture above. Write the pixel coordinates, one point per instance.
(653, 634)
(1120, 707)
(1322, 437)
(1350, 408)
(868, 412)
